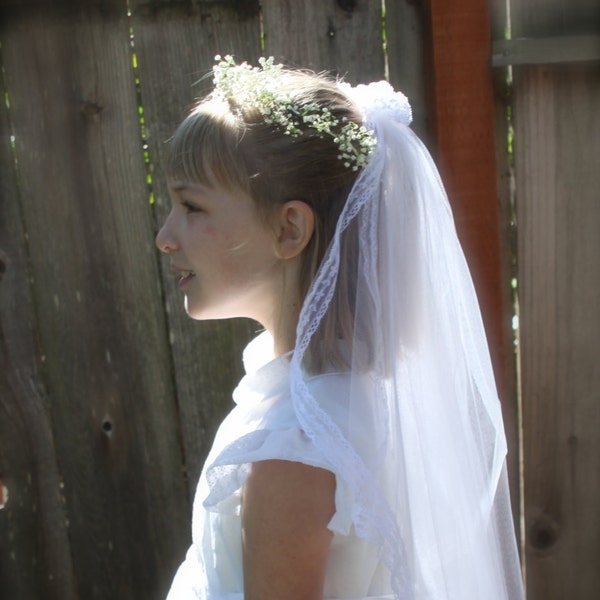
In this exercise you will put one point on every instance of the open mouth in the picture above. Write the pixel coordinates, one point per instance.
(186, 276)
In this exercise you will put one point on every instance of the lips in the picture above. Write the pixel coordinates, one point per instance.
(186, 275)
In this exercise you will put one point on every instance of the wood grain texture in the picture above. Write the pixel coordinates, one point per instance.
(507, 237)
(545, 51)
(547, 18)
(343, 37)
(464, 105)
(176, 49)
(35, 558)
(557, 150)
(557, 171)
(407, 48)
(95, 282)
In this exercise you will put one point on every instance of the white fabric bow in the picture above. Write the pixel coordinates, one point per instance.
(379, 98)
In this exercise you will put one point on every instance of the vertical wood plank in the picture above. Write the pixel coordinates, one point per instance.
(464, 123)
(557, 173)
(557, 150)
(548, 18)
(95, 282)
(176, 45)
(407, 50)
(35, 558)
(507, 237)
(342, 37)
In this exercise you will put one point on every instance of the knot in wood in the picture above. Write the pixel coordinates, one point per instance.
(246, 9)
(107, 426)
(543, 534)
(347, 5)
(90, 109)
(3, 264)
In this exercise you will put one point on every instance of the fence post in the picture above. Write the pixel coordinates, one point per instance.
(462, 113)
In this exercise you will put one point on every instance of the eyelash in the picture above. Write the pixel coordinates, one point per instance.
(190, 208)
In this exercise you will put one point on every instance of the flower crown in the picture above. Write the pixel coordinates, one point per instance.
(260, 87)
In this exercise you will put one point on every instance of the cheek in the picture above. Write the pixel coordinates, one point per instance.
(205, 243)
(224, 256)
(209, 231)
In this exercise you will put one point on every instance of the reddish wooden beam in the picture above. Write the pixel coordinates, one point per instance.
(462, 106)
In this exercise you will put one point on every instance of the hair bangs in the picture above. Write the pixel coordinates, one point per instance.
(204, 149)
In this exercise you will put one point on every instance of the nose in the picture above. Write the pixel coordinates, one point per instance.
(165, 240)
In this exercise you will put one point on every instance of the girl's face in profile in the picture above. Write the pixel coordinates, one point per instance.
(223, 251)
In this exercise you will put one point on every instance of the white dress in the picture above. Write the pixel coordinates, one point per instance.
(263, 426)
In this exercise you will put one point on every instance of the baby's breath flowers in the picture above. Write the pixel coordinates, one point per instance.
(260, 87)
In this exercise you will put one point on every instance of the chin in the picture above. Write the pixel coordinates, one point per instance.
(193, 311)
(198, 315)
(203, 313)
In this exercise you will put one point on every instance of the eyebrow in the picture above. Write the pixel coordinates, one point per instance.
(181, 187)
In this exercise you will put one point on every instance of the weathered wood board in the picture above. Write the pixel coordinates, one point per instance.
(35, 558)
(557, 153)
(343, 38)
(557, 178)
(94, 277)
(175, 45)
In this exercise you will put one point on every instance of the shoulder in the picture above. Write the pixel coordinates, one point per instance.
(286, 508)
(287, 484)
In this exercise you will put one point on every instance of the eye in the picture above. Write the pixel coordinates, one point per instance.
(190, 207)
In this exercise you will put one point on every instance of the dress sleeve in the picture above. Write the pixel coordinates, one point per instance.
(269, 432)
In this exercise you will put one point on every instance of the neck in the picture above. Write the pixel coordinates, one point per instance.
(282, 344)
(284, 308)
(285, 318)
(283, 329)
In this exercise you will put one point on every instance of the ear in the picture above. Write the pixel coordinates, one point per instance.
(294, 228)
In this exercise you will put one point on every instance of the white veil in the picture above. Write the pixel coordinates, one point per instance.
(421, 449)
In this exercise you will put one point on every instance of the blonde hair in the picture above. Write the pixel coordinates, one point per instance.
(226, 142)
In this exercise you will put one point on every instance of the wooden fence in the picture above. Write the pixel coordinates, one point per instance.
(557, 174)
(110, 395)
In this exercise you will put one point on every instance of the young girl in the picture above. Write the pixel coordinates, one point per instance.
(365, 457)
